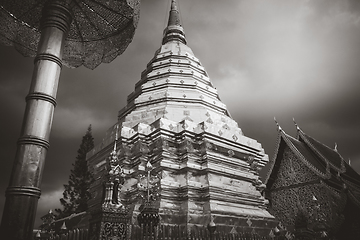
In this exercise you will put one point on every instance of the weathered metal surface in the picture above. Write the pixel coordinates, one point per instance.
(23, 190)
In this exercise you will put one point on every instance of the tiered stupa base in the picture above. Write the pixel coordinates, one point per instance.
(203, 175)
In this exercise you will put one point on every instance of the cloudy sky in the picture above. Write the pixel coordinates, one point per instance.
(275, 58)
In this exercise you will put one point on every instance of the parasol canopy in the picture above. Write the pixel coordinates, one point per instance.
(99, 32)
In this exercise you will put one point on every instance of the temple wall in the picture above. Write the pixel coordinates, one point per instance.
(297, 189)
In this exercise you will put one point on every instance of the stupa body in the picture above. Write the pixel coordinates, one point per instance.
(175, 120)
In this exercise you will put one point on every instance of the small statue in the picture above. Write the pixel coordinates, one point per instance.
(115, 168)
(114, 234)
(114, 181)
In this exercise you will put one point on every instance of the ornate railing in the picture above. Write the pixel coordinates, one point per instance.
(164, 232)
(74, 234)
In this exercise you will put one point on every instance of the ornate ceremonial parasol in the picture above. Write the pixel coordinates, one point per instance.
(55, 32)
(100, 29)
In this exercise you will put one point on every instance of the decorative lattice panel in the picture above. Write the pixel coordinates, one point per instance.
(292, 171)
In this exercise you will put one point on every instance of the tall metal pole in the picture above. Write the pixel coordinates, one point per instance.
(23, 191)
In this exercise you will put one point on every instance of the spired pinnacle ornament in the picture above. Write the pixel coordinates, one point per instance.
(148, 186)
(111, 220)
(115, 179)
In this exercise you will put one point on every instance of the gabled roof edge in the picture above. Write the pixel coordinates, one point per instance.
(327, 175)
(272, 161)
(285, 137)
(301, 134)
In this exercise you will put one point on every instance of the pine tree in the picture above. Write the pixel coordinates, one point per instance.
(76, 193)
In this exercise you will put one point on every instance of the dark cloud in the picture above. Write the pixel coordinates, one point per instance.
(282, 58)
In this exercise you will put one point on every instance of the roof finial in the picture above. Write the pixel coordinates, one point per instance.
(63, 226)
(335, 147)
(349, 162)
(174, 30)
(297, 127)
(277, 124)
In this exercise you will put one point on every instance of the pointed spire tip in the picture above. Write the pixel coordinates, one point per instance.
(174, 15)
(296, 125)
(174, 30)
(277, 124)
(173, 5)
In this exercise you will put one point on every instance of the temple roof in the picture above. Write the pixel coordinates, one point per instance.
(309, 156)
(300, 149)
(75, 220)
(330, 156)
(324, 161)
(327, 154)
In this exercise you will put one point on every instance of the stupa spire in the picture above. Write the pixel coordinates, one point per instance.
(175, 124)
(174, 31)
(174, 16)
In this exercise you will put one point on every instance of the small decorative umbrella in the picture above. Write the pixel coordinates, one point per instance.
(56, 32)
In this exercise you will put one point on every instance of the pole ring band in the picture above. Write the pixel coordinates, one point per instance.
(24, 191)
(49, 57)
(41, 96)
(56, 14)
(33, 140)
